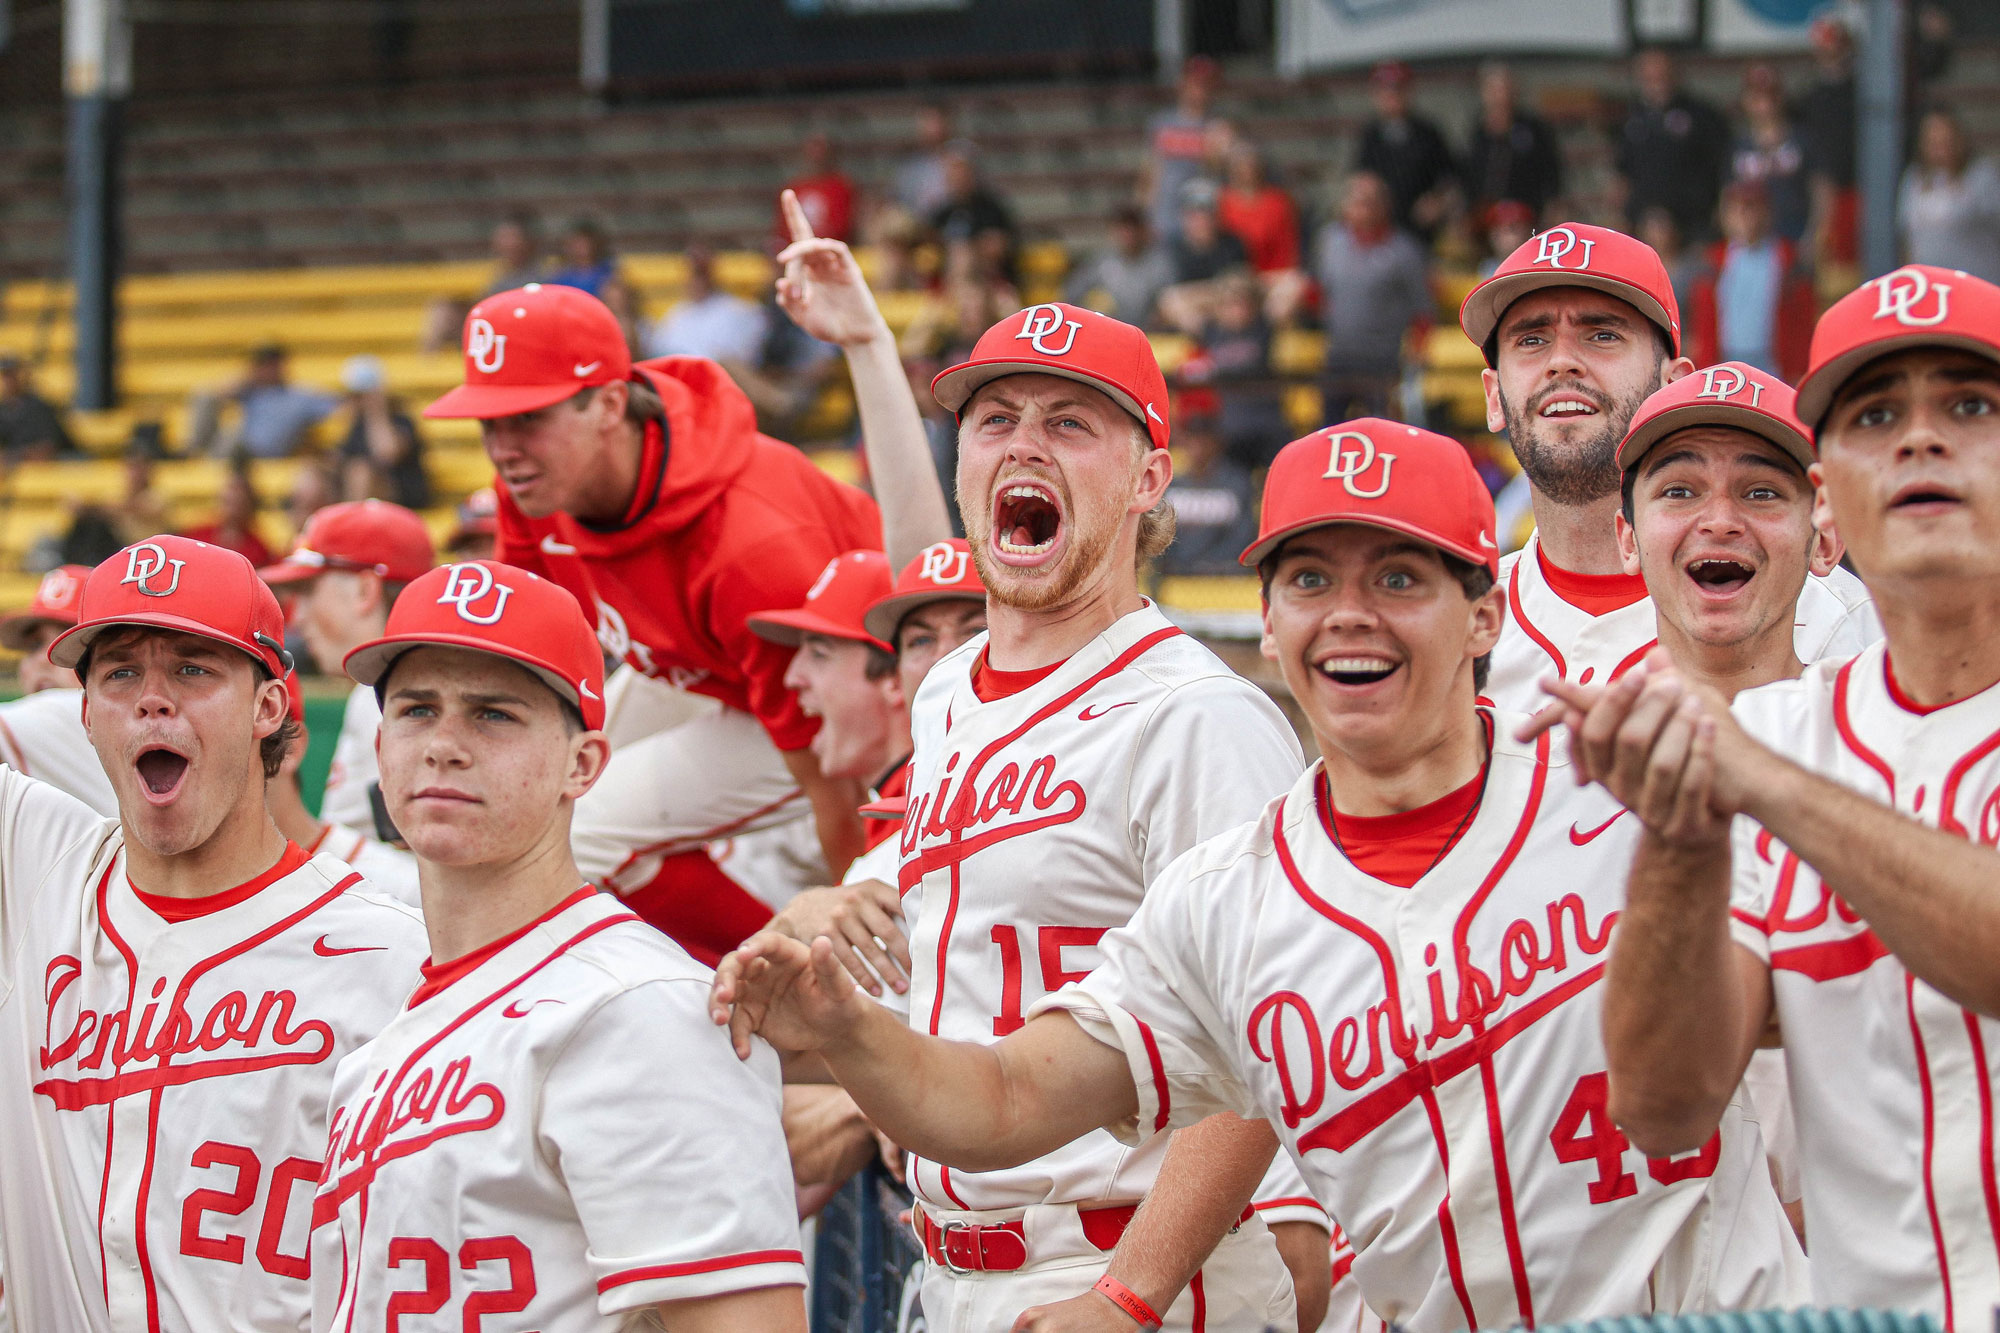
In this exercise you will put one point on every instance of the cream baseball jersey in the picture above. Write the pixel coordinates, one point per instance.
(42, 736)
(163, 1083)
(1893, 1085)
(353, 772)
(1036, 822)
(1431, 1056)
(556, 1138)
(388, 870)
(1545, 634)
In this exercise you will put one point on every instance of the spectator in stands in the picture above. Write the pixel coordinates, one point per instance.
(141, 512)
(274, 418)
(516, 246)
(791, 371)
(1950, 202)
(824, 191)
(1177, 147)
(1513, 154)
(235, 523)
(1408, 153)
(30, 427)
(478, 527)
(382, 454)
(1374, 291)
(971, 212)
(1258, 212)
(590, 263)
(1770, 153)
(1233, 357)
(920, 181)
(1754, 301)
(973, 296)
(1202, 253)
(1125, 279)
(1673, 150)
(314, 487)
(1826, 126)
(1214, 502)
(708, 321)
(901, 263)
(1509, 224)
(1658, 229)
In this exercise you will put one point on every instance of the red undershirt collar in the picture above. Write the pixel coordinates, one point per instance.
(187, 909)
(990, 683)
(1904, 701)
(437, 976)
(1402, 848)
(1594, 594)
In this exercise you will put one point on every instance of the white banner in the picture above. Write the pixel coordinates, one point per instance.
(1326, 34)
(1763, 25)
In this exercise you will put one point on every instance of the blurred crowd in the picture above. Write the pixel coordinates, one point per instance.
(1753, 206)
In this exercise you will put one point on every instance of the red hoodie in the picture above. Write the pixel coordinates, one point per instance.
(726, 523)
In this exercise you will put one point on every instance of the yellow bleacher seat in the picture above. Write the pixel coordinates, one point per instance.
(1298, 351)
(18, 589)
(1226, 592)
(840, 464)
(94, 479)
(458, 470)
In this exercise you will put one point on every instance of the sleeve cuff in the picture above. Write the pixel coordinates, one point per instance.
(650, 1284)
(1122, 1032)
(1750, 933)
(1274, 1211)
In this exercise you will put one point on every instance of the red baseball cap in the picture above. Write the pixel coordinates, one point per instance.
(1729, 394)
(1576, 254)
(1383, 474)
(498, 609)
(1917, 305)
(55, 603)
(834, 605)
(478, 515)
(1077, 344)
(373, 535)
(942, 571)
(533, 346)
(177, 583)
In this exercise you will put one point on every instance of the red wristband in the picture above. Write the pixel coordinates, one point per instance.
(1127, 1300)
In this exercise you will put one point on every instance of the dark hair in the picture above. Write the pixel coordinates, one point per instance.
(880, 665)
(642, 401)
(1474, 580)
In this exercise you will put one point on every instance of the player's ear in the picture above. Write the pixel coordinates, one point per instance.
(1674, 368)
(271, 706)
(1489, 617)
(589, 752)
(1826, 549)
(1822, 511)
(1496, 416)
(1628, 545)
(1156, 470)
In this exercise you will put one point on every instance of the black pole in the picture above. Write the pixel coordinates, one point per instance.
(1879, 92)
(94, 228)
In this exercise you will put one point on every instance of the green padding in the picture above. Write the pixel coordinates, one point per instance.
(323, 724)
(1760, 1321)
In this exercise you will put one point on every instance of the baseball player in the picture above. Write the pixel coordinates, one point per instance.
(477, 528)
(1396, 963)
(343, 573)
(1060, 762)
(388, 869)
(548, 1130)
(648, 493)
(176, 985)
(41, 733)
(1579, 326)
(1853, 906)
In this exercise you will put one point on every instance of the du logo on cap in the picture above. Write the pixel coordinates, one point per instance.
(466, 586)
(943, 564)
(1350, 464)
(59, 586)
(1042, 323)
(486, 349)
(1552, 245)
(1901, 296)
(825, 577)
(144, 563)
(1724, 382)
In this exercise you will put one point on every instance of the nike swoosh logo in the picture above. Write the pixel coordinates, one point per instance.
(520, 1010)
(1154, 415)
(550, 546)
(588, 693)
(1087, 715)
(1487, 542)
(1580, 838)
(325, 950)
(582, 370)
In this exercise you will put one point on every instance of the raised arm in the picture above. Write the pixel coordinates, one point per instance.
(822, 289)
(966, 1105)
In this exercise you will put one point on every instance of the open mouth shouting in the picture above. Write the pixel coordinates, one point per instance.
(1356, 671)
(161, 772)
(1027, 523)
(1720, 576)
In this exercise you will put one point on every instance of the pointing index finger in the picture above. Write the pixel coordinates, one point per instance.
(795, 217)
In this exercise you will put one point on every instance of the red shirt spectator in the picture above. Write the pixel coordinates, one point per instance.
(1263, 218)
(825, 193)
(235, 527)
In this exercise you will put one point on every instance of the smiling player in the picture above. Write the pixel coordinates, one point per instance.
(176, 985)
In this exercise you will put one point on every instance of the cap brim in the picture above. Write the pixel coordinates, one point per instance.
(484, 401)
(1482, 310)
(955, 387)
(371, 661)
(1818, 390)
(287, 572)
(885, 617)
(1254, 554)
(70, 646)
(16, 631)
(1641, 441)
(789, 627)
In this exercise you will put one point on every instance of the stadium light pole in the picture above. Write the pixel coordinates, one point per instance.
(1878, 88)
(97, 75)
